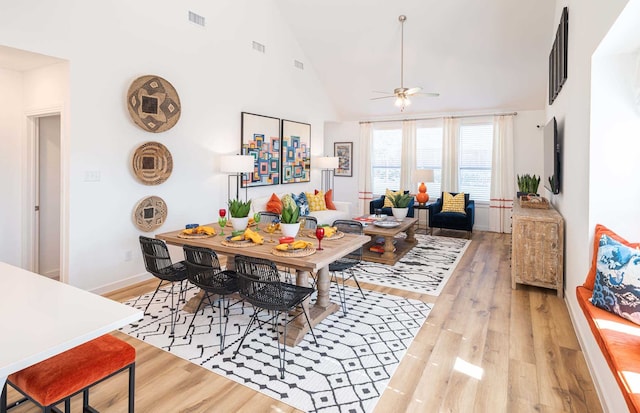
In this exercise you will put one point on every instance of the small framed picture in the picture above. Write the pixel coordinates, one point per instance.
(344, 152)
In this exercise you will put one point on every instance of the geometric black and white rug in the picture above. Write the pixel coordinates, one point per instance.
(348, 372)
(426, 268)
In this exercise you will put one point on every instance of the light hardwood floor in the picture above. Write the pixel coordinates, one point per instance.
(484, 348)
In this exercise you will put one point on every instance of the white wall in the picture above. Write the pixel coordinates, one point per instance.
(11, 84)
(528, 156)
(578, 203)
(217, 75)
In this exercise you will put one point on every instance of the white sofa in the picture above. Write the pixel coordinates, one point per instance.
(342, 211)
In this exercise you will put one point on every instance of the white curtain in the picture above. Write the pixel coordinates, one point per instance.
(364, 168)
(502, 175)
(451, 132)
(408, 159)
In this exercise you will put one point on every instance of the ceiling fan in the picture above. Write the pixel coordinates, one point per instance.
(402, 93)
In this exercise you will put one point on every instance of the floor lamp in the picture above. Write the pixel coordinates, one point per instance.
(422, 176)
(327, 164)
(236, 166)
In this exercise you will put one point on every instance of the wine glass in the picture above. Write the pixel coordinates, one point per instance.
(222, 221)
(271, 228)
(319, 235)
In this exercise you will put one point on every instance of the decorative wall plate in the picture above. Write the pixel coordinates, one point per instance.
(153, 103)
(150, 213)
(152, 163)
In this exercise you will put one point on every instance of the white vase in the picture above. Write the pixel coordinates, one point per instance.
(239, 224)
(399, 213)
(290, 230)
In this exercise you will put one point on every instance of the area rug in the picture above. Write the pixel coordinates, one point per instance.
(348, 372)
(426, 268)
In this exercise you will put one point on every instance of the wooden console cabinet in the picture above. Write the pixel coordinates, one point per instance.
(537, 242)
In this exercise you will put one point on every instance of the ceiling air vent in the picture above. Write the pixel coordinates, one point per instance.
(298, 64)
(258, 47)
(196, 18)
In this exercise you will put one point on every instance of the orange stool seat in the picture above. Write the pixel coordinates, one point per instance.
(60, 377)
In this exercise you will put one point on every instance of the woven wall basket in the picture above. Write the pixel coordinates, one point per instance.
(153, 103)
(150, 213)
(152, 163)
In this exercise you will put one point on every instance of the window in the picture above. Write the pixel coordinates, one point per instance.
(429, 156)
(386, 152)
(474, 167)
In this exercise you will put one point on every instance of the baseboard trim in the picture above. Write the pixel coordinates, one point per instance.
(118, 285)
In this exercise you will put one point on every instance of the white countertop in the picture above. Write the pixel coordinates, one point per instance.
(40, 317)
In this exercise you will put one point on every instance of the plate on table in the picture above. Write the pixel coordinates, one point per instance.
(311, 233)
(239, 244)
(386, 224)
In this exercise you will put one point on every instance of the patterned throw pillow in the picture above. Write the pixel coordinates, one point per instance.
(316, 201)
(388, 194)
(302, 202)
(452, 203)
(287, 200)
(274, 204)
(617, 286)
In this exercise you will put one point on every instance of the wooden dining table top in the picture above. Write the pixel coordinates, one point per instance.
(333, 249)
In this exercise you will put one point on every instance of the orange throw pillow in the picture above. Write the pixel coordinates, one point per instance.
(328, 199)
(600, 231)
(274, 204)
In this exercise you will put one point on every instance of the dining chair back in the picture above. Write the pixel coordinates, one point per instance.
(204, 271)
(158, 262)
(259, 284)
(345, 265)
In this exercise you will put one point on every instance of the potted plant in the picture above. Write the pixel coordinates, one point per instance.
(400, 207)
(289, 220)
(239, 211)
(528, 184)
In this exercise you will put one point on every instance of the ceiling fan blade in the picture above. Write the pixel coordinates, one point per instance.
(385, 93)
(384, 97)
(413, 91)
(430, 94)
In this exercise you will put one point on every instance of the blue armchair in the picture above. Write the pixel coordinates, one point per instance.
(452, 220)
(379, 204)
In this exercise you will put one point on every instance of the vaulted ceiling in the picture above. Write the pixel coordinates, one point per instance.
(481, 56)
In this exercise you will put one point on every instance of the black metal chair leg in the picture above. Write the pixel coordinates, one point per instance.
(152, 297)
(355, 279)
(195, 313)
(283, 355)
(3, 399)
(132, 387)
(246, 332)
(310, 327)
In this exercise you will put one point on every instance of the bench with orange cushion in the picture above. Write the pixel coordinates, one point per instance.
(618, 338)
(59, 378)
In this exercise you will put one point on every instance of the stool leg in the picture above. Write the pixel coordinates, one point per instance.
(85, 398)
(3, 399)
(67, 405)
(132, 386)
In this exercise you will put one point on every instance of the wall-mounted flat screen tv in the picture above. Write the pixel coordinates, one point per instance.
(552, 157)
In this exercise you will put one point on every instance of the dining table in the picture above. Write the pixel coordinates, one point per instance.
(317, 263)
(42, 317)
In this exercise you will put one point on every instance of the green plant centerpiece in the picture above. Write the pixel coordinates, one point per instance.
(290, 214)
(239, 209)
(401, 200)
(528, 184)
(289, 220)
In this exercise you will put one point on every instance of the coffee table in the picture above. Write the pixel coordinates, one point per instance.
(401, 246)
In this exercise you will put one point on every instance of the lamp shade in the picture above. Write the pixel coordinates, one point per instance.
(236, 163)
(424, 175)
(327, 162)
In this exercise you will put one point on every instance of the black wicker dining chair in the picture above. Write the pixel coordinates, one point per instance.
(203, 271)
(157, 261)
(259, 284)
(345, 265)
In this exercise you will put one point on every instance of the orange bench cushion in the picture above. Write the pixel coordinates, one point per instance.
(619, 340)
(62, 375)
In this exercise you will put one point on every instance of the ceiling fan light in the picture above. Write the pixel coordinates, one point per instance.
(399, 102)
(407, 102)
